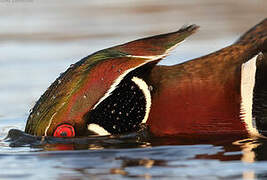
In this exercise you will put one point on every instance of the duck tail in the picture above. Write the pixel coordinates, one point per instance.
(255, 39)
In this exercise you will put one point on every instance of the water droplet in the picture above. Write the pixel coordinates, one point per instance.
(132, 87)
(117, 118)
(114, 104)
(114, 127)
(102, 79)
(72, 65)
(113, 111)
(150, 88)
(84, 96)
(127, 114)
(108, 106)
(37, 113)
(119, 112)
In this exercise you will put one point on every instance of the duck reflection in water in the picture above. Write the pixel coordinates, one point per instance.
(150, 152)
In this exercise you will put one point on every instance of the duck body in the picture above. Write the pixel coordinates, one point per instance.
(216, 93)
(200, 96)
(115, 90)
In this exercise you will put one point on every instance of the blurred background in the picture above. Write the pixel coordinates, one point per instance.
(40, 39)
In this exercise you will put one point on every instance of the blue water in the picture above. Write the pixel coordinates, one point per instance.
(39, 40)
(132, 156)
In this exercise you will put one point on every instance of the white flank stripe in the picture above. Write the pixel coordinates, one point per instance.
(98, 129)
(248, 73)
(145, 89)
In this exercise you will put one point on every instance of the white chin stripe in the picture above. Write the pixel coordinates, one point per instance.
(248, 75)
(98, 130)
(145, 89)
(121, 77)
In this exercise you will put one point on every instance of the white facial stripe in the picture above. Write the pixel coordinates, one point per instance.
(51, 119)
(149, 57)
(158, 56)
(248, 73)
(49, 124)
(98, 130)
(145, 89)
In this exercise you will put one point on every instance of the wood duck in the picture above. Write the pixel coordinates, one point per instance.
(116, 90)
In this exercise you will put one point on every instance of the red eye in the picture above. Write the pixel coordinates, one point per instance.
(64, 130)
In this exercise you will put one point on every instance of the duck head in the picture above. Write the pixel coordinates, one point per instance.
(104, 93)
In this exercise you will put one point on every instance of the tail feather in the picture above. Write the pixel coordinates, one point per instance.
(256, 38)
